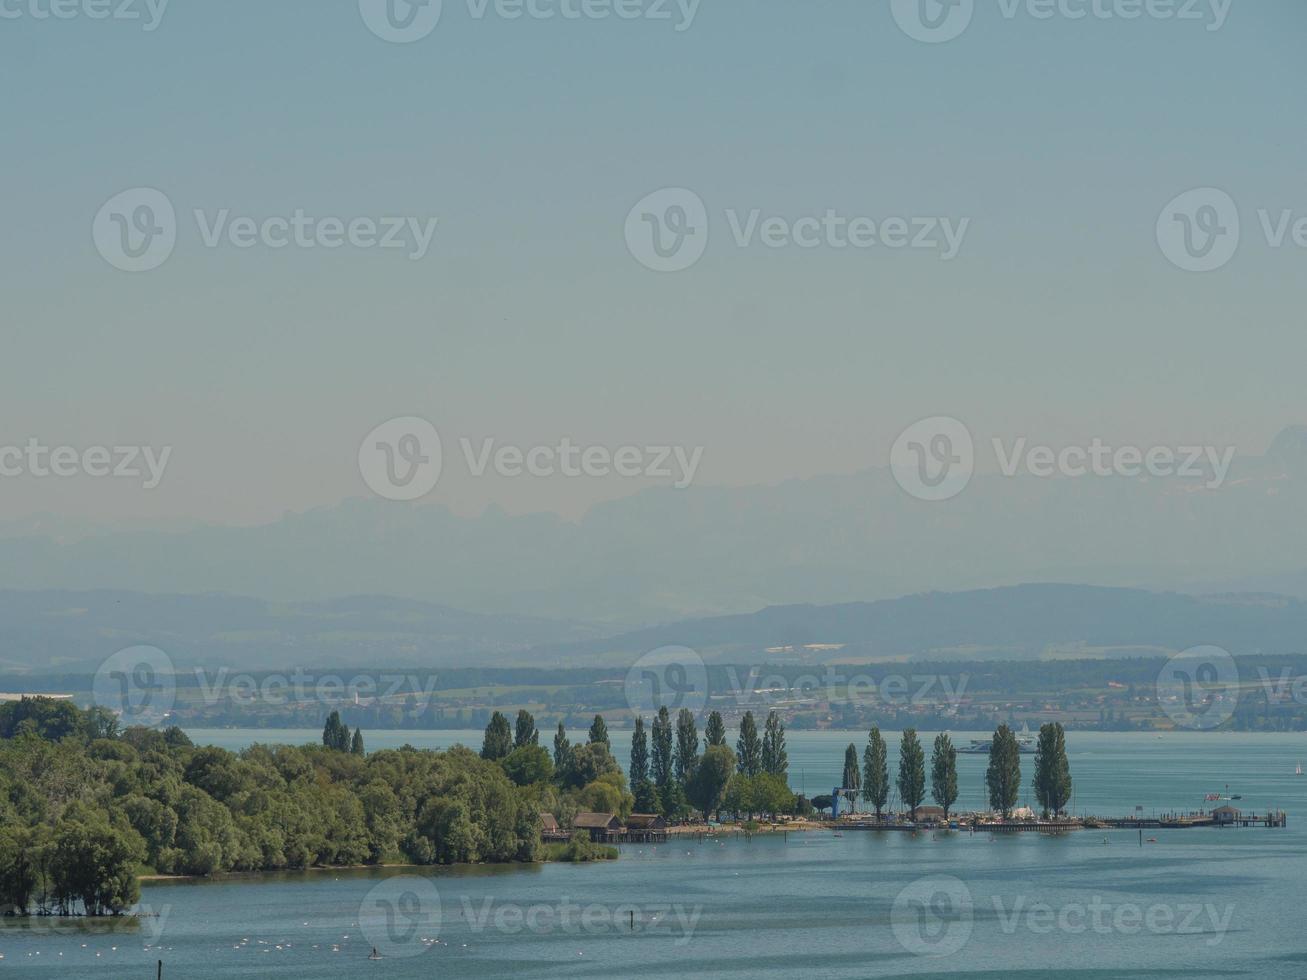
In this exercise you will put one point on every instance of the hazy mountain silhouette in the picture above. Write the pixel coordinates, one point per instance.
(72, 632)
(663, 555)
(1015, 623)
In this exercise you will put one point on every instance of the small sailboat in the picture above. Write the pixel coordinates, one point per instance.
(1298, 771)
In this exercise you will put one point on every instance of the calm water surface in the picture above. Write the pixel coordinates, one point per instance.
(1216, 903)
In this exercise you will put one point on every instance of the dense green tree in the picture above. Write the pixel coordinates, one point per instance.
(714, 733)
(524, 732)
(687, 747)
(586, 763)
(675, 805)
(498, 742)
(599, 732)
(527, 765)
(764, 793)
(1003, 777)
(79, 817)
(1052, 770)
(875, 772)
(561, 748)
(912, 772)
(646, 799)
(944, 773)
(709, 779)
(775, 760)
(356, 744)
(334, 734)
(748, 747)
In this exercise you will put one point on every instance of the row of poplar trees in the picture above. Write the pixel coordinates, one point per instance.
(1052, 782)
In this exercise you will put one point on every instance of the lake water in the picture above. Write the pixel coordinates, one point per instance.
(1200, 902)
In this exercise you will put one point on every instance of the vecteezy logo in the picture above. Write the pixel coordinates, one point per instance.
(138, 684)
(933, 916)
(670, 677)
(1199, 230)
(401, 459)
(933, 21)
(401, 916)
(1199, 688)
(401, 21)
(136, 230)
(933, 459)
(668, 230)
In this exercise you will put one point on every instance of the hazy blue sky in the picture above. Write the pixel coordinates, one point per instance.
(1059, 319)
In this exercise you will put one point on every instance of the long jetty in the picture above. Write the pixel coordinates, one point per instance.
(1168, 821)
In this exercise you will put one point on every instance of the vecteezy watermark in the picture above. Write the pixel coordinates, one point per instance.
(144, 920)
(149, 13)
(36, 459)
(933, 916)
(401, 916)
(937, 917)
(402, 460)
(139, 684)
(1201, 230)
(671, 677)
(1114, 918)
(136, 231)
(1198, 688)
(406, 21)
(934, 459)
(668, 231)
(302, 687)
(937, 21)
(776, 690)
(594, 919)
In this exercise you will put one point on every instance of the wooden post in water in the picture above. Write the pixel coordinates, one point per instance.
(161, 970)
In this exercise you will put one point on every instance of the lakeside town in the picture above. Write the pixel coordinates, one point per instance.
(1120, 695)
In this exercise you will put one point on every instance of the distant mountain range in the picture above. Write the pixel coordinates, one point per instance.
(62, 632)
(54, 632)
(1027, 622)
(663, 555)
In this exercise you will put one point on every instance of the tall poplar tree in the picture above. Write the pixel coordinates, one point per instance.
(641, 785)
(524, 732)
(852, 778)
(944, 773)
(662, 749)
(1003, 777)
(562, 748)
(498, 742)
(714, 733)
(775, 760)
(912, 772)
(599, 732)
(748, 749)
(875, 771)
(687, 746)
(1052, 770)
